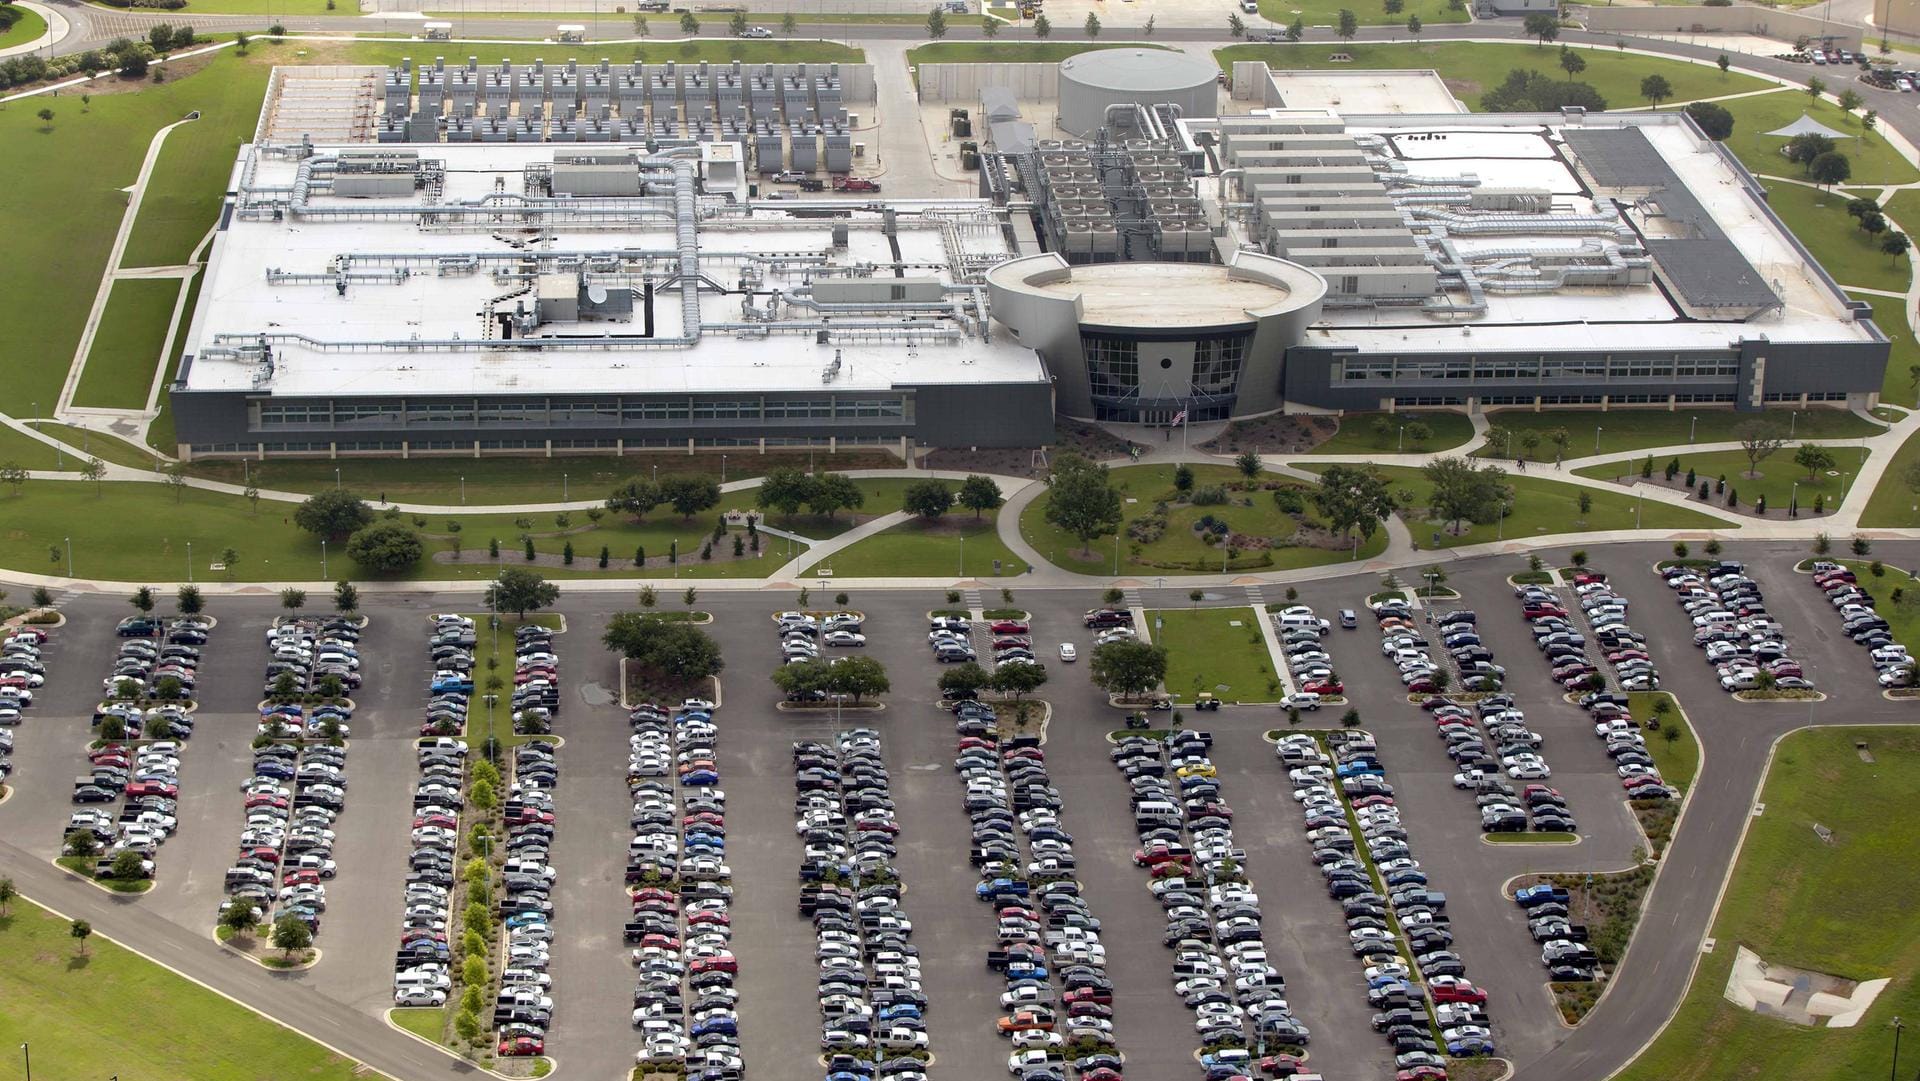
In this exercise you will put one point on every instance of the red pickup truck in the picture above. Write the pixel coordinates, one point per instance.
(854, 183)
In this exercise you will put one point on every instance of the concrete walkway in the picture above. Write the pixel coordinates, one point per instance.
(57, 30)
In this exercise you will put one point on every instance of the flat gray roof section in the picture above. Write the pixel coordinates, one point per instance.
(1700, 263)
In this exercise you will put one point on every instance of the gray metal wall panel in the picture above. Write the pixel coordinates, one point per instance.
(984, 415)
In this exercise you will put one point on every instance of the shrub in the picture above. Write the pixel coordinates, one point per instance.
(1212, 495)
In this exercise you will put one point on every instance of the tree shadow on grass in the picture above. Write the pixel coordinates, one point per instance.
(79, 961)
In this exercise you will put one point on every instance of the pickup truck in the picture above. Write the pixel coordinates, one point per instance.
(854, 183)
(1528, 896)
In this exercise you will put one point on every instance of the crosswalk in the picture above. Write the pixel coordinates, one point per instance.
(975, 602)
(1257, 596)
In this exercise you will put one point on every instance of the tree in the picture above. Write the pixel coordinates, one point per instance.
(1526, 90)
(1236, 26)
(1895, 244)
(737, 26)
(125, 866)
(1830, 168)
(1816, 86)
(346, 598)
(7, 894)
(466, 1023)
(688, 24)
(963, 680)
(1542, 26)
(1042, 26)
(784, 491)
(927, 498)
(679, 651)
(857, 676)
(1656, 89)
(800, 681)
(82, 842)
(1414, 26)
(1850, 100)
(230, 560)
(387, 548)
(1183, 478)
(1822, 544)
(1715, 121)
(937, 23)
(980, 493)
(1758, 439)
(1873, 224)
(96, 471)
(290, 934)
(80, 931)
(1724, 61)
(640, 27)
(1868, 122)
(1353, 497)
(520, 591)
(1092, 25)
(14, 475)
(636, 497)
(1128, 668)
(1349, 25)
(1861, 207)
(789, 24)
(834, 491)
(1418, 432)
(690, 495)
(1813, 459)
(333, 514)
(1350, 719)
(1016, 681)
(293, 599)
(188, 601)
(1249, 464)
(1802, 149)
(1081, 499)
(1297, 29)
(990, 28)
(1462, 491)
(252, 496)
(1861, 546)
(1572, 62)
(1146, 29)
(142, 600)
(46, 119)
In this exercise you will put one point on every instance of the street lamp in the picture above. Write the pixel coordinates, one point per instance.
(1402, 448)
(190, 561)
(1891, 1073)
(323, 559)
(69, 574)
(27, 1054)
(963, 554)
(1637, 504)
(563, 487)
(1691, 425)
(336, 476)
(723, 469)
(463, 489)
(1596, 438)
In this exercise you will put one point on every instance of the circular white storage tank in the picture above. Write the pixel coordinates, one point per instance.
(1091, 81)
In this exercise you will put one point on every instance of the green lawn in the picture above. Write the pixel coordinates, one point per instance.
(17, 448)
(1357, 435)
(1777, 479)
(1874, 162)
(1205, 652)
(1472, 68)
(1179, 550)
(1635, 429)
(92, 444)
(1679, 757)
(190, 176)
(670, 24)
(128, 343)
(491, 645)
(28, 26)
(512, 480)
(90, 1016)
(1851, 256)
(1904, 210)
(1897, 388)
(425, 1022)
(1542, 508)
(1902, 616)
(1011, 52)
(1893, 503)
(1277, 14)
(64, 203)
(776, 51)
(918, 549)
(271, 548)
(1844, 908)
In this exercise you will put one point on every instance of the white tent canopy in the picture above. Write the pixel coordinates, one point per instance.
(1807, 125)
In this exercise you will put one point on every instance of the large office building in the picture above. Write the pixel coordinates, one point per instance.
(549, 295)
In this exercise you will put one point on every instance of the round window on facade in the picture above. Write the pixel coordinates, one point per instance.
(1166, 362)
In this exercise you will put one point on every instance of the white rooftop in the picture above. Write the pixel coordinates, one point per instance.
(888, 348)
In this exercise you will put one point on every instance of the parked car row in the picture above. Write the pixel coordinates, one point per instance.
(1053, 1006)
(1301, 643)
(523, 1007)
(802, 635)
(1402, 971)
(1402, 644)
(1615, 727)
(292, 801)
(1221, 968)
(312, 656)
(1606, 612)
(685, 1003)
(1863, 624)
(1502, 810)
(1745, 644)
(536, 680)
(873, 1007)
(423, 974)
(951, 640)
(160, 658)
(1563, 943)
(22, 668)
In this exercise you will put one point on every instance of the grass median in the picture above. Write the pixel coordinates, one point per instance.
(1622, 430)
(128, 344)
(956, 544)
(89, 1015)
(1217, 651)
(1841, 906)
(1362, 433)
(1779, 480)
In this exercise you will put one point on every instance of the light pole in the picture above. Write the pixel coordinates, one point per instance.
(336, 476)
(1637, 504)
(1596, 438)
(190, 562)
(563, 487)
(1116, 555)
(1793, 500)
(1891, 1073)
(463, 489)
(1793, 421)
(27, 1054)
(656, 472)
(1691, 425)
(1402, 447)
(323, 559)
(69, 574)
(963, 555)
(723, 469)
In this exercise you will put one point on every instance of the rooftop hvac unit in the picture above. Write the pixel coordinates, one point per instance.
(1079, 236)
(1106, 238)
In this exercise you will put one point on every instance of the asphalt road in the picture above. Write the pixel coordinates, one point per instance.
(340, 1000)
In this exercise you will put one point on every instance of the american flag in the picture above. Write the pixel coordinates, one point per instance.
(1178, 418)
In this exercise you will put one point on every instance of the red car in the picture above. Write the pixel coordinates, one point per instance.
(1280, 1066)
(522, 1045)
(1103, 1073)
(1377, 799)
(1455, 989)
(263, 799)
(443, 820)
(699, 918)
(854, 183)
(1423, 685)
(304, 876)
(1009, 626)
(723, 963)
(1088, 994)
(526, 815)
(1421, 1073)
(704, 818)
(1159, 854)
(1325, 686)
(156, 788)
(653, 893)
(260, 852)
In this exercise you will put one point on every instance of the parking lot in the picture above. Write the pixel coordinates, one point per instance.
(592, 1034)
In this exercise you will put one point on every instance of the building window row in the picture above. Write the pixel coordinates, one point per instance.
(1586, 369)
(612, 412)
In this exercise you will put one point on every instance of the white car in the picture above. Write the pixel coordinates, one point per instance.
(1068, 653)
(848, 639)
(756, 32)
